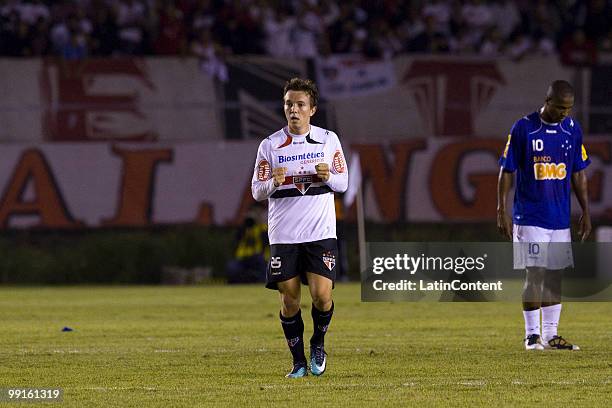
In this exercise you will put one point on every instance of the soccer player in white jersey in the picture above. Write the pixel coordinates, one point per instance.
(298, 169)
(546, 151)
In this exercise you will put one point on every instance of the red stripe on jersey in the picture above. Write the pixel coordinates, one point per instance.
(288, 141)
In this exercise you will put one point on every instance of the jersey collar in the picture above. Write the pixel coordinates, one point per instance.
(545, 122)
(288, 133)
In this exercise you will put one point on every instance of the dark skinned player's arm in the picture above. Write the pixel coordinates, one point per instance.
(504, 223)
(579, 183)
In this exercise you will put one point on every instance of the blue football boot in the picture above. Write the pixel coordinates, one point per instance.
(318, 360)
(299, 370)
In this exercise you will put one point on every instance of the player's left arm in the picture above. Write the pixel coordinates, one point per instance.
(335, 175)
(579, 182)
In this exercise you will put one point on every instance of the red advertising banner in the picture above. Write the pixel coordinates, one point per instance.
(92, 185)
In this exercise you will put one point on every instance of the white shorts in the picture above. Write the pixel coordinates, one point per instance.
(541, 247)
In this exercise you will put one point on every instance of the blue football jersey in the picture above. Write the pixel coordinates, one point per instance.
(545, 155)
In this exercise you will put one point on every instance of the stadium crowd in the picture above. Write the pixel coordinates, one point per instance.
(76, 29)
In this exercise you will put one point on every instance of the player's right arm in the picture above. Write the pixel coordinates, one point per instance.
(508, 165)
(266, 180)
(504, 222)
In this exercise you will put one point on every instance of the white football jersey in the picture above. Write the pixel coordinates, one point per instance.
(302, 209)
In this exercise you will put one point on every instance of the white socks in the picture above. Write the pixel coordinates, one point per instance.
(550, 321)
(532, 322)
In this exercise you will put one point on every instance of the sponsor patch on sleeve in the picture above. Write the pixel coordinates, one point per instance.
(507, 146)
(585, 156)
(263, 170)
(338, 162)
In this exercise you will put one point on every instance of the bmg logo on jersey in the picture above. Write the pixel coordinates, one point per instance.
(275, 263)
(549, 171)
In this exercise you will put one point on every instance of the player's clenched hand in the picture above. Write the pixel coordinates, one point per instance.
(279, 175)
(504, 224)
(584, 227)
(323, 171)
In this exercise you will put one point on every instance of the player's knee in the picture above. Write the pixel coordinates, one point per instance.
(535, 277)
(322, 301)
(290, 305)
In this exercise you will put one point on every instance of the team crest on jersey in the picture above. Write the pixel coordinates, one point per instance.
(302, 183)
(263, 170)
(329, 259)
(338, 162)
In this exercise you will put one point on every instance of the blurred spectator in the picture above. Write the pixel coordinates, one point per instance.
(105, 35)
(39, 39)
(237, 29)
(506, 16)
(605, 44)
(412, 26)
(75, 48)
(210, 55)
(492, 44)
(31, 11)
(604, 54)
(341, 32)
(18, 39)
(172, 38)
(285, 28)
(520, 45)
(382, 42)
(478, 17)
(598, 19)
(423, 42)
(439, 11)
(578, 50)
(279, 28)
(464, 42)
(545, 16)
(252, 250)
(308, 32)
(202, 16)
(544, 41)
(131, 17)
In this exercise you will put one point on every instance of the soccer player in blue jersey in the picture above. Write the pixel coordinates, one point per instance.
(545, 150)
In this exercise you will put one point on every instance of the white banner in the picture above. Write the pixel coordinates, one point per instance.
(450, 96)
(346, 76)
(127, 99)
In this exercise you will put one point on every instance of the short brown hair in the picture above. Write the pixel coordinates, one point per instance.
(304, 85)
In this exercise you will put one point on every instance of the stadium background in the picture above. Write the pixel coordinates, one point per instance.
(128, 132)
(114, 170)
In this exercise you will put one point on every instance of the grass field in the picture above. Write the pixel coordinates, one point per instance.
(223, 346)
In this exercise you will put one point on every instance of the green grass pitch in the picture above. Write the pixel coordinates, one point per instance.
(223, 346)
